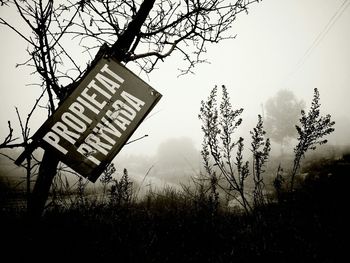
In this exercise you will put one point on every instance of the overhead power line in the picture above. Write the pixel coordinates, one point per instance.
(324, 32)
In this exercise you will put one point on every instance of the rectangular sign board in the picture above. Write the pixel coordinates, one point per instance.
(95, 121)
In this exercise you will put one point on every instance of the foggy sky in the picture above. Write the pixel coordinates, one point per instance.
(280, 44)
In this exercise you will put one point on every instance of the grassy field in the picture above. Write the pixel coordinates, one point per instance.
(308, 225)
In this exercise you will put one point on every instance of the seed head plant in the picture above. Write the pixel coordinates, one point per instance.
(313, 127)
(219, 125)
(260, 148)
(107, 178)
(121, 190)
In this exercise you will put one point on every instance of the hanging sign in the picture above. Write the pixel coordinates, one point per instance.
(92, 124)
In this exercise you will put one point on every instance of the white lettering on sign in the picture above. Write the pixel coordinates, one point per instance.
(95, 97)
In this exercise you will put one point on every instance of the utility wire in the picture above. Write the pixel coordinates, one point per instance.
(322, 34)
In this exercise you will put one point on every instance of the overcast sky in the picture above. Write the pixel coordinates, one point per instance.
(294, 44)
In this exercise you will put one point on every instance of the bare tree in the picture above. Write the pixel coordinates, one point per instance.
(144, 32)
(282, 112)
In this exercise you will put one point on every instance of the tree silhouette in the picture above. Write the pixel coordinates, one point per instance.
(143, 32)
(282, 112)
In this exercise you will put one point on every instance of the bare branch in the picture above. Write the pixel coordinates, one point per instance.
(3, 22)
(9, 138)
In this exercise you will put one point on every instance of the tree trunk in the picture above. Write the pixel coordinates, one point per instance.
(48, 166)
(124, 42)
(40, 193)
